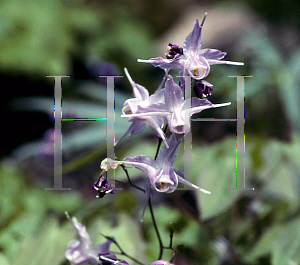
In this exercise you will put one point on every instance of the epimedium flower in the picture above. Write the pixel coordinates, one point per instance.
(174, 109)
(82, 252)
(140, 101)
(162, 177)
(191, 59)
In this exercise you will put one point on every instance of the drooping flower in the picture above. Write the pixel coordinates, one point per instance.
(193, 61)
(174, 109)
(161, 174)
(142, 100)
(82, 252)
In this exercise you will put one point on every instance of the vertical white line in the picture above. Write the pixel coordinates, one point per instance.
(57, 134)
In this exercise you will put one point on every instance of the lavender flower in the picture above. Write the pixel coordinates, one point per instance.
(141, 101)
(175, 109)
(194, 61)
(81, 252)
(161, 174)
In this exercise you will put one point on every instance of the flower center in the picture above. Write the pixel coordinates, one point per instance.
(162, 186)
(126, 111)
(196, 71)
(180, 128)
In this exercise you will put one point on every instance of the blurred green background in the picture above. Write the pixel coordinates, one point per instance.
(87, 38)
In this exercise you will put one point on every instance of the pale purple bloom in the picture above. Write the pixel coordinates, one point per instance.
(161, 262)
(142, 100)
(174, 109)
(194, 61)
(82, 252)
(161, 174)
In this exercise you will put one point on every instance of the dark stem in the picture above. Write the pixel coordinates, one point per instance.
(159, 143)
(124, 253)
(129, 181)
(171, 236)
(161, 247)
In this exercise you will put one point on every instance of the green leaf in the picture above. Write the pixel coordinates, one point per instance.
(3, 260)
(214, 168)
(39, 36)
(47, 248)
(286, 245)
(280, 170)
(264, 245)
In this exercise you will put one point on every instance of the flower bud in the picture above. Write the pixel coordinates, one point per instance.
(202, 88)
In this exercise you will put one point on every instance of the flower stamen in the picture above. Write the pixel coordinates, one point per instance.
(196, 71)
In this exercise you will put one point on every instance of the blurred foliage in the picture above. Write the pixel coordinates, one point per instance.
(90, 38)
(39, 36)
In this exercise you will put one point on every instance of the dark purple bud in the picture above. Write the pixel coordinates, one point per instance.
(174, 52)
(103, 188)
(202, 88)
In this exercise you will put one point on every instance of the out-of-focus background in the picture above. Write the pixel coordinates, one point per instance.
(88, 38)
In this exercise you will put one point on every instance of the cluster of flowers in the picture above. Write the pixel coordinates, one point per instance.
(166, 104)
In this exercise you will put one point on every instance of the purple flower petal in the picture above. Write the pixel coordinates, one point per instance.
(184, 181)
(192, 43)
(136, 127)
(138, 105)
(212, 61)
(156, 128)
(139, 91)
(164, 63)
(212, 54)
(80, 252)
